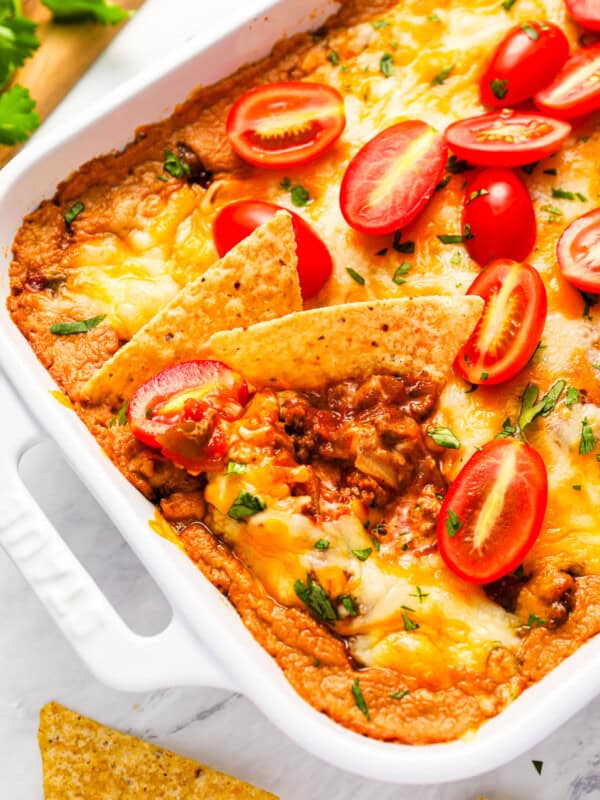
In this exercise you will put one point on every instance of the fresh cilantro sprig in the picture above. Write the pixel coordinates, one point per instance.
(18, 118)
(86, 10)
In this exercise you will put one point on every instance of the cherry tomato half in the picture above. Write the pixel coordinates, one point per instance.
(511, 324)
(575, 91)
(493, 512)
(181, 412)
(578, 252)
(585, 12)
(237, 220)
(525, 61)
(390, 180)
(499, 212)
(506, 138)
(285, 124)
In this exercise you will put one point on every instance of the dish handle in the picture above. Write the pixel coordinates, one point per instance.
(112, 651)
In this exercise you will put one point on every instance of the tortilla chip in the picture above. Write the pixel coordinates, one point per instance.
(310, 349)
(257, 280)
(84, 760)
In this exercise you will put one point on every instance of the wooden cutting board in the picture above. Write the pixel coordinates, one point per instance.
(65, 53)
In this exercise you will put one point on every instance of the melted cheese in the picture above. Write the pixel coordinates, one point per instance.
(154, 246)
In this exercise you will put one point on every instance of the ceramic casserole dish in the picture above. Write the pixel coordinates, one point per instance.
(205, 643)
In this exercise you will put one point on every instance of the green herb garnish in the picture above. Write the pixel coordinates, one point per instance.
(356, 276)
(299, 196)
(347, 602)
(476, 194)
(71, 215)
(245, 505)
(442, 75)
(363, 554)
(572, 396)
(380, 23)
(531, 408)
(84, 10)
(535, 622)
(315, 597)
(321, 544)
(235, 468)
(444, 438)
(499, 88)
(507, 430)
(538, 766)
(399, 695)
(17, 116)
(120, 418)
(409, 624)
(530, 31)
(359, 699)
(175, 166)
(587, 441)
(453, 524)
(334, 58)
(386, 65)
(403, 269)
(83, 326)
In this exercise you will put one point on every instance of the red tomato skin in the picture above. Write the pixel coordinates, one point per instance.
(502, 221)
(327, 120)
(526, 501)
(464, 138)
(237, 220)
(575, 252)
(470, 363)
(574, 104)
(409, 197)
(585, 12)
(527, 64)
(149, 428)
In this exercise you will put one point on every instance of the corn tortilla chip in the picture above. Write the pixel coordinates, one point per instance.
(309, 349)
(84, 760)
(257, 280)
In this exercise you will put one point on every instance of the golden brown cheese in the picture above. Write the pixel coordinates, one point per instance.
(139, 239)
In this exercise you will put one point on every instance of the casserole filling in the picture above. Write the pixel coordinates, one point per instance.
(316, 513)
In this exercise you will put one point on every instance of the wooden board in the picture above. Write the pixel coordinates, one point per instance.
(65, 53)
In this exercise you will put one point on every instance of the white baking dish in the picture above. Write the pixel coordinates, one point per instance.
(205, 644)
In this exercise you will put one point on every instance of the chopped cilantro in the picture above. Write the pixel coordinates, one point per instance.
(380, 23)
(508, 4)
(562, 194)
(71, 215)
(475, 195)
(453, 524)
(386, 65)
(576, 487)
(363, 554)
(409, 624)
(17, 116)
(456, 238)
(321, 544)
(442, 75)
(356, 276)
(17, 42)
(399, 695)
(499, 88)
(403, 269)
(531, 408)
(443, 183)
(299, 195)
(285, 183)
(315, 597)
(120, 418)
(174, 165)
(245, 505)
(581, 197)
(572, 396)
(407, 248)
(434, 17)
(83, 326)
(420, 594)
(535, 622)
(348, 603)
(587, 442)
(507, 430)
(235, 468)
(530, 31)
(444, 438)
(359, 698)
(484, 376)
(334, 58)
(538, 766)
(83, 10)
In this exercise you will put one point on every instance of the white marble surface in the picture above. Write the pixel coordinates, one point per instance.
(221, 729)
